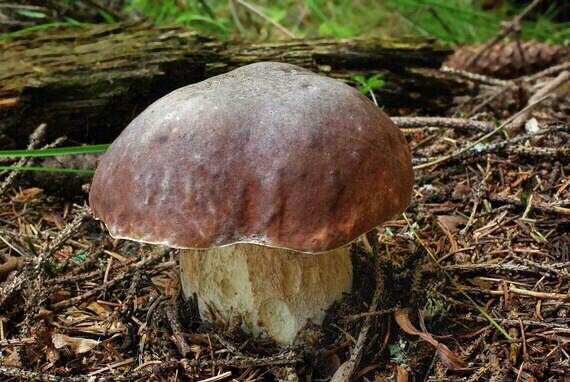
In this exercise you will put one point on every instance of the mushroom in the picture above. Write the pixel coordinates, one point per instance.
(262, 177)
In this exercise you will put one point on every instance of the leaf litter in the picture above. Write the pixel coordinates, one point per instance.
(482, 268)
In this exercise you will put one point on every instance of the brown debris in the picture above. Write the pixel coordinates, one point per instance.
(449, 359)
(496, 219)
(80, 306)
(504, 60)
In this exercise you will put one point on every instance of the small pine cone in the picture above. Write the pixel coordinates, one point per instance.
(504, 61)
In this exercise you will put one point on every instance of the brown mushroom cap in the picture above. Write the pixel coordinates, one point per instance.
(270, 153)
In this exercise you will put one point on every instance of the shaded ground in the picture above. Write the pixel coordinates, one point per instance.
(492, 229)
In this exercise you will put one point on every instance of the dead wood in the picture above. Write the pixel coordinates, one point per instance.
(89, 83)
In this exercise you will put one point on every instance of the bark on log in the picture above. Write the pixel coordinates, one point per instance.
(89, 83)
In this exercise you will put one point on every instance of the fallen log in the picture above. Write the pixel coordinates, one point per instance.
(88, 83)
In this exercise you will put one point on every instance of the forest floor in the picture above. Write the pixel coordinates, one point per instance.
(475, 276)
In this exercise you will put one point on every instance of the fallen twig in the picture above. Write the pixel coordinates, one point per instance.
(549, 152)
(516, 268)
(24, 375)
(515, 126)
(287, 358)
(490, 99)
(177, 331)
(448, 123)
(143, 264)
(482, 139)
(475, 77)
(35, 139)
(542, 206)
(531, 293)
(347, 370)
(546, 72)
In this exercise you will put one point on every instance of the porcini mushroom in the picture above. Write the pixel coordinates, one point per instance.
(262, 176)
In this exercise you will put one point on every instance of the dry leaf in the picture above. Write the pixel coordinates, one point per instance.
(51, 353)
(12, 359)
(59, 295)
(7, 265)
(452, 222)
(26, 195)
(53, 218)
(448, 358)
(329, 363)
(402, 375)
(45, 314)
(78, 345)
(101, 310)
(482, 282)
(461, 191)
(339, 375)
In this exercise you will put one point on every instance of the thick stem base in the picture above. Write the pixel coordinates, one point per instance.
(273, 291)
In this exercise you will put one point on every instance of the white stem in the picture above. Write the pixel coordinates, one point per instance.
(273, 291)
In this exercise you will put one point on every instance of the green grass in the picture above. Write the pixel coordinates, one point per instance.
(367, 85)
(40, 27)
(54, 151)
(458, 21)
(51, 152)
(47, 169)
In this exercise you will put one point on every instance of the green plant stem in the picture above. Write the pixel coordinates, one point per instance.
(50, 169)
(54, 151)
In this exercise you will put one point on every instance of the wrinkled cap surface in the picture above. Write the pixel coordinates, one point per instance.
(269, 153)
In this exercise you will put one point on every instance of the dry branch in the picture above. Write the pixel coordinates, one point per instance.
(143, 264)
(447, 123)
(515, 126)
(542, 206)
(472, 148)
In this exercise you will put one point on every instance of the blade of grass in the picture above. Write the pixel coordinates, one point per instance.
(50, 169)
(323, 18)
(106, 16)
(54, 151)
(74, 22)
(188, 18)
(207, 9)
(31, 14)
(258, 12)
(454, 8)
(40, 27)
(166, 10)
(455, 283)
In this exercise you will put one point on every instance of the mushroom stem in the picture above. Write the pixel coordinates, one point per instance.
(274, 291)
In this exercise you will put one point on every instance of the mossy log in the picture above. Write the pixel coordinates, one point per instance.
(89, 83)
